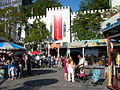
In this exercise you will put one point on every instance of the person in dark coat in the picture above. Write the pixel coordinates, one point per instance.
(28, 65)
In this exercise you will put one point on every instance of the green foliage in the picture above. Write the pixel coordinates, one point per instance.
(26, 10)
(38, 32)
(94, 4)
(9, 18)
(39, 7)
(13, 16)
(87, 26)
(110, 12)
(2, 34)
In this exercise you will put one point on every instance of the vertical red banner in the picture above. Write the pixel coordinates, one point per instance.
(57, 25)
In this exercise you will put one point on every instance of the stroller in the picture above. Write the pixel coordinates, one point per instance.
(96, 76)
(80, 74)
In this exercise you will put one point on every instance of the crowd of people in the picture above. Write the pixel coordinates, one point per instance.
(18, 66)
(70, 66)
(21, 65)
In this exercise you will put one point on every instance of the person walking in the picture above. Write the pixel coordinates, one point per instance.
(65, 68)
(9, 66)
(49, 61)
(13, 69)
(106, 69)
(13, 72)
(29, 65)
(52, 62)
(59, 62)
(38, 60)
(81, 61)
(71, 67)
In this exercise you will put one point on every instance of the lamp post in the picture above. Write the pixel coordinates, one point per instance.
(58, 47)
(48, 48)
(83, 48)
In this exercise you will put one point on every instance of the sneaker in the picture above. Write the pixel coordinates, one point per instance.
(68, 80)
(73, 81)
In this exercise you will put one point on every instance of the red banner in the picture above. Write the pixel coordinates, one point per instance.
(57, 25)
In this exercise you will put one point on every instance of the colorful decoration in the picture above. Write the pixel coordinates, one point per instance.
(88, 43)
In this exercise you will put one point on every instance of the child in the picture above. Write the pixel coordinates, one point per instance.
(82, 73)
(13, 72)
(106, 69)
(9, 66)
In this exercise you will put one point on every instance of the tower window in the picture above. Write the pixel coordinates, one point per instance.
(51, 28)
(64, 30)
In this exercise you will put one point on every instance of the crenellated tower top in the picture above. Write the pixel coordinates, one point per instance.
(67, 7)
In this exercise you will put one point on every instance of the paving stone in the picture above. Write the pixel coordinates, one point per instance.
(48, 79)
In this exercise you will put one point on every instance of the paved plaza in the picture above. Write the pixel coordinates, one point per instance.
(48, 79)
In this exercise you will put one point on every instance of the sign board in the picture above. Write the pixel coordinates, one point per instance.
(88, 43)
(112, 21)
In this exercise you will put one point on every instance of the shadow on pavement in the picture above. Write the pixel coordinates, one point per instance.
(99, 82)
(2, 81)
(31, 85)
(39, 72)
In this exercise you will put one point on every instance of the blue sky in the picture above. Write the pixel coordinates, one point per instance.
(74, 4)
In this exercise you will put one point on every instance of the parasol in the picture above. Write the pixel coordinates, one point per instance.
(35, 52)
(9, 45)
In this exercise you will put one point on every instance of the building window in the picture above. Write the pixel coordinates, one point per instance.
(19, 33)
(51, 28)
(64, 30)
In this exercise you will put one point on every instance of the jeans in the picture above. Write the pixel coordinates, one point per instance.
(70, 74)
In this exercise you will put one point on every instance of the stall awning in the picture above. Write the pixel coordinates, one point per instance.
(111, 27)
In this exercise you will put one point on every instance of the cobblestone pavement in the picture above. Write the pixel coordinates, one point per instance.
(48, 79)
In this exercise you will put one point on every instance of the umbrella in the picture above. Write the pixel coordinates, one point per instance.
(9, 45)
(35, 52)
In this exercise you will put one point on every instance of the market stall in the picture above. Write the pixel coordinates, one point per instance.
(8, 49)
(88, 43)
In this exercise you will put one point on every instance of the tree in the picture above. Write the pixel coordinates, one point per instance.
(39, 7)
(94, 4)
(26, 10)
(110, 12)
(10, 18)
(37, 32)
(87, 26)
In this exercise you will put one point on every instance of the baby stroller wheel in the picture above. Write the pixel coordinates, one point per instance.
(95, 84)
(84, 81)
(101, 83)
